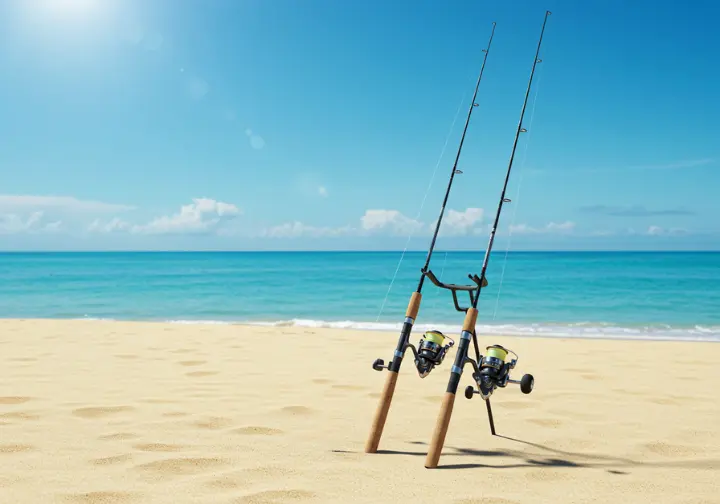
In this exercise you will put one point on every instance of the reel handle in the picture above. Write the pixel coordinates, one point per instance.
(527, 383)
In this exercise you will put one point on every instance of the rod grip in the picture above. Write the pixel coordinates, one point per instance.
(470, 320)
(414, 305)
(441, 428)
(381, 413)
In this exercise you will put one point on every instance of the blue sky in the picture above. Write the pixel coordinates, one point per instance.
(278, 124)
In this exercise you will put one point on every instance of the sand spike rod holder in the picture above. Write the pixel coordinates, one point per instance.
(430, 351)
(492, 370)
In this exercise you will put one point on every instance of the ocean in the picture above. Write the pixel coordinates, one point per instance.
(633, 295)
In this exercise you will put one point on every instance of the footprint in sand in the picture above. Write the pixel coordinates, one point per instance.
(546, 422)
(669, 450)
(159, 447)
(546, 475)
(175, 414)
(101, 498)
(591, 376)
(15, 448)
(666, 401)
(119, 436)
(214, 423)
(19, 415)
(14, 399)
(275, 496)
(201, 373)
(182, 466)
(192, 363)
(486, 500)
(298, 410)
(100, 411)
(229, 482)
(116, 459)
(127, 356)
(374, 394)
(183, 350)
(274, 472)
(322, 381)
(258, 430)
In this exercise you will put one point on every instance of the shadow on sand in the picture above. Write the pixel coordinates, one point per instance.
(549, 457)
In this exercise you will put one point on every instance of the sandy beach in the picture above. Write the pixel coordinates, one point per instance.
(115, 412)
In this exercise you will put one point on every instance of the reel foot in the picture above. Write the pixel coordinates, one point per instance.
(527, 382)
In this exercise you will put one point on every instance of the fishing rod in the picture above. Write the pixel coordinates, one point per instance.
(491, 371)
(430, 351)
(455, 171)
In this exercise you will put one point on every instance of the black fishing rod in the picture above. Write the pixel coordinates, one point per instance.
(455, 171)
(520, 130)
(424, 365)
(492, 371)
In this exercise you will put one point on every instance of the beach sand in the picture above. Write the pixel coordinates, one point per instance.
(115, 412)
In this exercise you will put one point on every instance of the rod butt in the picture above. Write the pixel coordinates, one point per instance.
(381, 413)
(441, 428)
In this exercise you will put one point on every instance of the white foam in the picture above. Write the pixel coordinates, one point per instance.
(576, 330)
(586, 330)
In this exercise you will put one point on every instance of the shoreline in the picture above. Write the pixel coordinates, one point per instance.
(584, 331)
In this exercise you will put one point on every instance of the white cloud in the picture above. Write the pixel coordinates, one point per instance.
(380, 220)
(65, 203)
(51, 214)
(11, 223)
(322, 191)
(113, 225)
(392, 220)
(459, 223)
(660, 231)
(297, 229)
(201, 216)
(551, 227)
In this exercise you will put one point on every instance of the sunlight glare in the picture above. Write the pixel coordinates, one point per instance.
(70, 8)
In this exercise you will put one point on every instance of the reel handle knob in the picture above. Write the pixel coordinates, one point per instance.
(527, 382)
(379, 365)
(469, 392)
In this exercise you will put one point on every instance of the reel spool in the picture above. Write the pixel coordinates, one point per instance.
(431, 352)
(493, 371)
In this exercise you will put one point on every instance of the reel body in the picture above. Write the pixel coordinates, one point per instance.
(431, 351)
(493, 371)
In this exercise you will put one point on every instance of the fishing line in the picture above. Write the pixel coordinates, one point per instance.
(517, 194)
(422, 204)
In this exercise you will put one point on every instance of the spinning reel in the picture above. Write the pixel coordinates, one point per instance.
(430, 352)
(494, 372)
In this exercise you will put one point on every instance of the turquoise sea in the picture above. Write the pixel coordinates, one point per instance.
(653, 295)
